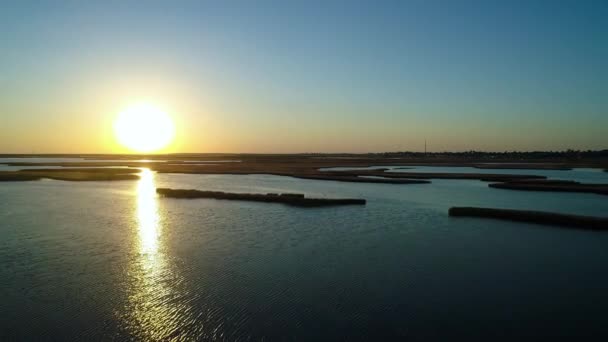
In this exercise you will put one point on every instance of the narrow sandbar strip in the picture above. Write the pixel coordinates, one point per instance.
(539, 217)
(290, 199)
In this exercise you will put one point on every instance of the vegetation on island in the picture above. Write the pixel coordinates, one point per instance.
(553, 185)
(539, 217)
(286, 198)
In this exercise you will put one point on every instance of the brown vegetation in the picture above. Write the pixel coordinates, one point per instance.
(540, 217)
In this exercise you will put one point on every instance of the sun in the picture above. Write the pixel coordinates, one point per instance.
(143, 127)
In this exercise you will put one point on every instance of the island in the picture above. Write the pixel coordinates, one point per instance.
(539, 217)
(552, 185)
(298, 200)
(71, 174)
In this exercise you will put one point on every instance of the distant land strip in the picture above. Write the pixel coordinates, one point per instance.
(359, 179)
(308, 168)
(315, 166)
(553, 185)
(74, 175)
(524, 166)
(569, 156)
(538, 217)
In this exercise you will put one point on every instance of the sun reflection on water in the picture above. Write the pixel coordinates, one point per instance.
(151, 315)
(147, 213)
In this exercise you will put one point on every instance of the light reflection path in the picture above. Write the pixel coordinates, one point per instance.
(155, 310)
(147, 214)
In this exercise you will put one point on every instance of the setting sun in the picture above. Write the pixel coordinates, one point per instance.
(143, 127)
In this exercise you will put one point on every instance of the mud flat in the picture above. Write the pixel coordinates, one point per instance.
(298, 200)
(539, 217)
(557, 186)
(75, 175)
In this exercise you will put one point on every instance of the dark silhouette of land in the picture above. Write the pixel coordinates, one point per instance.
(549, 185)
(557, 157)
(17, 177)
(298, 200)
(71, 174)
(539, 217)
(524, 166)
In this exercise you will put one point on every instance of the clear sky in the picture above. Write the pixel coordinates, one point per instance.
(307, 76)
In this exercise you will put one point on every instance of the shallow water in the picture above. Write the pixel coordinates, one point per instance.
(110, 260)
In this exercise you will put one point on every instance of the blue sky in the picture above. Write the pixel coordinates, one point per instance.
(308, 76)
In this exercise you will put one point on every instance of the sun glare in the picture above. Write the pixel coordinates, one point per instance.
(143, 127)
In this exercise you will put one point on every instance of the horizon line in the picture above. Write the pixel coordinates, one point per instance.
(605, 150)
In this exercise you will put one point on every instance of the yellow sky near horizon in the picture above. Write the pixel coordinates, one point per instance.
(79, 119)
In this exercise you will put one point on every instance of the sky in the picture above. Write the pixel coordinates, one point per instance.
(307, 76)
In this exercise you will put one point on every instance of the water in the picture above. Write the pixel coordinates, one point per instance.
(110, 260)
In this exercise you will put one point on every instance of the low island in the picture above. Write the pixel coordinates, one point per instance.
(539, 217)
(298, 200)
(71, 174)
(552, 185)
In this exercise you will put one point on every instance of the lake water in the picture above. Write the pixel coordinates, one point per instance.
(111, 261)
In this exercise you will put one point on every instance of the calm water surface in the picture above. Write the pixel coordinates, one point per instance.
(111, 261)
